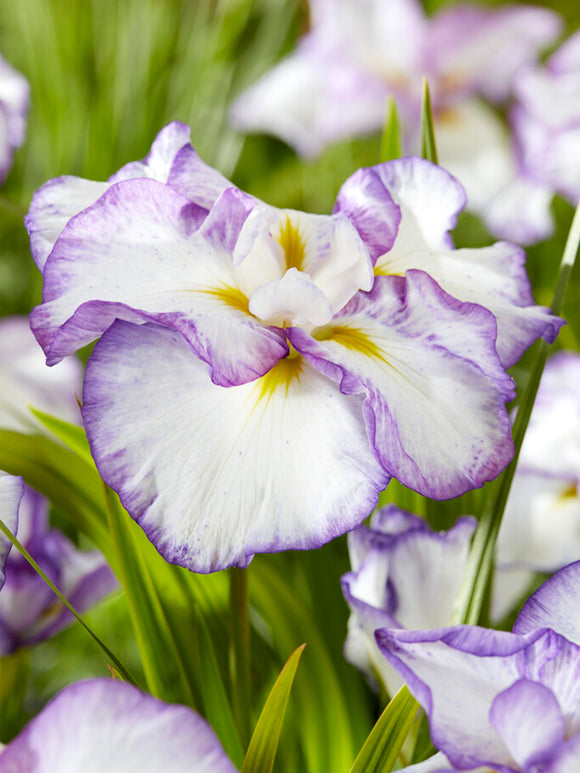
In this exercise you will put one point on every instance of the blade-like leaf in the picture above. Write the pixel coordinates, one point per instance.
(428, 147)
(71, 435)
(391, 145)
(480, 564)
(382, 747)
(264, 742)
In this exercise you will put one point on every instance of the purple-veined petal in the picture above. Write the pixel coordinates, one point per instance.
(566, 757)
(11, 491)
(60, 199)
(105, 725)
(495, 276)
(554, 605)
(456, 673)
(26, 381)
(212, 474)
(136, 254)
(475, 48)
(434, 388)
(195, 179)
(528, 718)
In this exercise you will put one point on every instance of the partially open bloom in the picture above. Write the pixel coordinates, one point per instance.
(29, 610)
(261, 373)
(505, 701)
(13, 109)
(104, 725)
(540, 530)
(404, 575)
(359, 52)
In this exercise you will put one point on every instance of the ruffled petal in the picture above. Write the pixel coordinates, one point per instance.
(136, 255)
(554, 605)
(58, 200)
(434, 389)
(102, 724)
(212, 474)
(11, 492)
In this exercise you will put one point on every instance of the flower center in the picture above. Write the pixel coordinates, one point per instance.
(292, 243)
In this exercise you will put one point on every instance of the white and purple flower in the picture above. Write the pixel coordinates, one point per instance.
(104, 725)
(29, 610)
(540, 531)
(14, 96)
(359, 52)
(403, 575)
(262, 373)
(505, 701)
(11, 492)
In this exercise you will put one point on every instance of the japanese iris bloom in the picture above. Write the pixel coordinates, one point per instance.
(262, 373)
(404, 575)
(359, 52)
(540, 530)
(509, 702)
(104, 725)
(14, 96)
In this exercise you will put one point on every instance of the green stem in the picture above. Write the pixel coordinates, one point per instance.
(240, 652)
(22, 550)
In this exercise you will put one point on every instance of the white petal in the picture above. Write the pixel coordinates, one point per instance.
(11, 491)
(213, 474)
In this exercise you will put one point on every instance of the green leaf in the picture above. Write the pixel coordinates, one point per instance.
(240, 650)
(391, 145)
(264, 742)
(216, 706)
(71, 435)
(22, 550)
(428, 147)
(481, 557)
(382, 747)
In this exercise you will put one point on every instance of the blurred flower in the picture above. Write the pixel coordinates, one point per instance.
(29, 610)
(106, 725)
(236, 344)
(11, 491)
(359, 52)
(404, 575)
(506, 701)
(14, 93)
(540, 531)
(546, 121)
(25, 380)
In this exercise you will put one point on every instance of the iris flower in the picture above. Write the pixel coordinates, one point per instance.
(404, 575)
(359, 52)
(104, 725)
(509, 702)
(14, 94)
(261, 373)
(540, 531)
(11, 491)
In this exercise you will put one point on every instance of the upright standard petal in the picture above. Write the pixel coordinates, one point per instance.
(11, 491)
(104, 725)
(429, 200)
(212, 474)
(434, 390)
(60, 199)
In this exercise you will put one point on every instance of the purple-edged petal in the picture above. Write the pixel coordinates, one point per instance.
(495, 276)
(108, 725)
(214, 475)
(456, 673)
(136, 255)
(566, 757)
(554, 605)
(434, 388)
(11, 491)
(195, 179)
(26, 381)
(528, 718)
(60, 199)
(475, 48)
